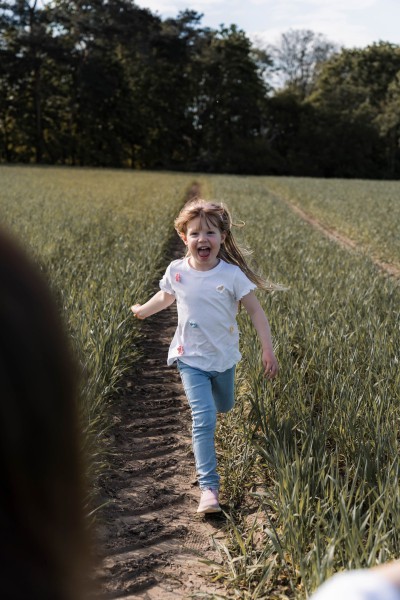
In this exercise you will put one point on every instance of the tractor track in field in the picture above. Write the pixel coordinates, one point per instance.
(150, 538)
(391, 269)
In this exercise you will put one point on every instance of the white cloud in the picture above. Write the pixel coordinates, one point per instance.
(340, 5)
(346, 22)
(305, 5)
(349, 36)
(171, 7)
(326, 18)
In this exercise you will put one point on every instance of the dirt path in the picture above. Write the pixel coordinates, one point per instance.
(151, 536)
(389, 268)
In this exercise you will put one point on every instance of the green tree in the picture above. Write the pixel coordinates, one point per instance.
(229, 108)
(26, 81)
(163, 86)
(104, 38)
(353, 93)
(388, 122)
(357, 80)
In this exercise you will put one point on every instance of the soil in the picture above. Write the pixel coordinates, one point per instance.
(151, 538)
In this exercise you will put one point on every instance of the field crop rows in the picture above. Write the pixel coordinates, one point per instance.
(320, 444)
(316, 451)
(100, 236)
(368, 212)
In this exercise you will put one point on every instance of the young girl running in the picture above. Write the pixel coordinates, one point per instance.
(208, 285)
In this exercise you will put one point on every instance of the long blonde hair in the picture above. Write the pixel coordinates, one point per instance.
(218, 215)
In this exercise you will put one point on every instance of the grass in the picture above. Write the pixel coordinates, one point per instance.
(309, 462)
(100, 237)
(325, 432)
(368, 212)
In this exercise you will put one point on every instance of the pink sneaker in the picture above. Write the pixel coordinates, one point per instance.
(209, 502)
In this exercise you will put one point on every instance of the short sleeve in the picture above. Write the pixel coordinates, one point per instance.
(166, 282)
(242, 285)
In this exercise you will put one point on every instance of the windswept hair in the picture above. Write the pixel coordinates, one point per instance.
(218, 215)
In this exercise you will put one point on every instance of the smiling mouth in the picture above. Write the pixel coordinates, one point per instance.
(203, 252)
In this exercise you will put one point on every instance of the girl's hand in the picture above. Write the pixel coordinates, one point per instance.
(136, 311)
(158, 302)
(261, 324)
(270, 363)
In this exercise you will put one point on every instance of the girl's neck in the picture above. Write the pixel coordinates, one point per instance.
(201, 267)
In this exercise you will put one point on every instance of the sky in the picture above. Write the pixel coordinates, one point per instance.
(349, 23)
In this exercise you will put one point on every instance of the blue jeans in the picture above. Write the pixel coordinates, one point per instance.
(208, 392)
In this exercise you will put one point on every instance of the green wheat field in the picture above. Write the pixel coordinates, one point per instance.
(310, 462)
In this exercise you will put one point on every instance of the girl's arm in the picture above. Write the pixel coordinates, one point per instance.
(262, 327)
(158, 302)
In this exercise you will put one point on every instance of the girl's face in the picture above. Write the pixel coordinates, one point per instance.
(203, 241)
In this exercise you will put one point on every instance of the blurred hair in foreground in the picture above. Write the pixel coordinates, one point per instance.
(44, 549)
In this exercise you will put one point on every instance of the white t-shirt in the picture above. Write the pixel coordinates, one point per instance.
(207, 335)
(357, 585)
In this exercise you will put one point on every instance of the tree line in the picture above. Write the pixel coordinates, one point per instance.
(107, 83)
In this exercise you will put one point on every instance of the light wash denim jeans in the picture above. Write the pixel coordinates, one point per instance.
(208, 392)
